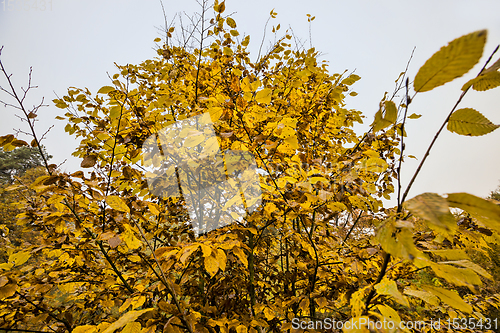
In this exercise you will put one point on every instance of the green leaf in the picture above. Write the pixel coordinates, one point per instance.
(415, 116)
(486, 212)
(449, 297)
(451, 61)
(105, 90)
(433, 208)
(125, 319)
(470, 122)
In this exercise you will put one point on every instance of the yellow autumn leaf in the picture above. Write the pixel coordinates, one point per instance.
(84, 329)
(487, 213)
(389, 313)
(117, 203)
(433, 208)
(133, 327)
(423, 295)
(451, 61)
(389, 287)
(449, 297)
(211, 265)
(470, 122)
(207, 250)
(241, 329)
(264, 96)
(215, 113)
(105, 90)
(19, 258)
(221, 258)
(138, 301)
(125, 319)
(211, 146)
(153, 208)
(129, 238)
(484, 82)
(238, 252)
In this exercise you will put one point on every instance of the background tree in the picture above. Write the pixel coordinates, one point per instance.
(18, 169)
(17, 162)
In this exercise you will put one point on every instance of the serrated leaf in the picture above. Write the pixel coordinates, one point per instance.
(105, 90)
(125, 319)
(117, 203)
(470, 122)
(449, 297)
(484, 82)
(451, 61)
(433, 208)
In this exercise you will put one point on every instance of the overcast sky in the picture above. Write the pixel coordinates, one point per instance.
(75, 43)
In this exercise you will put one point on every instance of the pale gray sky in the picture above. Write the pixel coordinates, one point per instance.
(74, 43)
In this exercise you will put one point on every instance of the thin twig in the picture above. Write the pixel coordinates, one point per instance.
(440, 130)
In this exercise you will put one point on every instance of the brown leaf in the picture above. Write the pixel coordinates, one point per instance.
(3, 281)
(19, 143)
(8, 290)
(51, 180)
(78, 174)
(114, 241)
(89, 161)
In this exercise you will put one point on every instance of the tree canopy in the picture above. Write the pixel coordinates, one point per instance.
(311, 245)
